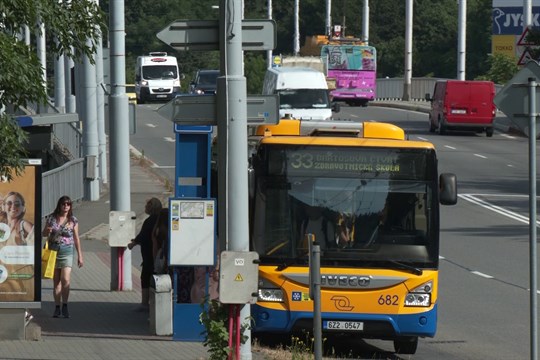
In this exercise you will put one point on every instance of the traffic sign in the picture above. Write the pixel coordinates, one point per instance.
(201, 110)
(523, 38)
(204, 34)
(513, 98)
(525, 57)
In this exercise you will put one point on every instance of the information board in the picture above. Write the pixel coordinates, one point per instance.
(192, 228)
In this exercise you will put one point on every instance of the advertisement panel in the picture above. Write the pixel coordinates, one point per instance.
(20, 236)
(508, 16)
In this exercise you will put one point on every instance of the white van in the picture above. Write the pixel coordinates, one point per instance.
(303, 92)
(156, 77)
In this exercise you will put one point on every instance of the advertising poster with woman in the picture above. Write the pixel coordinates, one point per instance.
(19, 253)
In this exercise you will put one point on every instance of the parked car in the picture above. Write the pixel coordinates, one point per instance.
(462, 105)
(205, 82)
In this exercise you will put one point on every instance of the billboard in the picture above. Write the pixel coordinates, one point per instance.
(20, 236)
(507, 26)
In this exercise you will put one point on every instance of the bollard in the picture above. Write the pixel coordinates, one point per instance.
(161, 318)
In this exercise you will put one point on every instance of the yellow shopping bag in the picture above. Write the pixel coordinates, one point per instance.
(48, 261)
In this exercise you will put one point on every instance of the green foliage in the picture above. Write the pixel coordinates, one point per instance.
(74, 26)
(501, 69)
(254, 69)
(215, 317)
(11, 147)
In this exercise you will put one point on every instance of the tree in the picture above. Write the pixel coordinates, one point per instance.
(68, 24)
(501, 69)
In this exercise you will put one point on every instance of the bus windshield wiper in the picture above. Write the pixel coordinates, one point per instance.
(403, 266)
(289, 262)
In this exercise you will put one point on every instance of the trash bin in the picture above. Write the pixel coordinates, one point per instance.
(161, 318)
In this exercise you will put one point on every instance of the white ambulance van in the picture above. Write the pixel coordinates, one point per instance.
(303, 92)
(156, 77)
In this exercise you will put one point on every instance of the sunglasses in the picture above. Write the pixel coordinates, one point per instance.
(66, 204)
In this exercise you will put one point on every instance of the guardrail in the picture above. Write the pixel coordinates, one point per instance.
(392, 88)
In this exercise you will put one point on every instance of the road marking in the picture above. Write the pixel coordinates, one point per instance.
(481, 156)
(449, 147)
(508, 136)
(156, 166)
(510, 165)
(482, 274)
(169, 139)
(151, 125)
(499, 210)
(422, 138)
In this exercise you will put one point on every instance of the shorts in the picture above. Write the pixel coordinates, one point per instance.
(64, 258)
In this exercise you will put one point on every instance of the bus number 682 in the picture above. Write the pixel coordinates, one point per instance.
(388, 300)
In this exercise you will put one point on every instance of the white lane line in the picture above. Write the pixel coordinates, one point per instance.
(156, 166)
(151, 125)
(481, 156)
(499, 210)
(508, 136)
(449, 147)
(169, 139)
(482, 274)
(422, 138)
(510, 165)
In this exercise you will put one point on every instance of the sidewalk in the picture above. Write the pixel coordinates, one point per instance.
(103, 323)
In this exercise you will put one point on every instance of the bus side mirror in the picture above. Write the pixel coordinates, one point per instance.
(428, 97)
(448, 189)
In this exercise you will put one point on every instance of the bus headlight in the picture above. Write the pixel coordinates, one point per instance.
(273, 295)
(269, 292)
(420, 296)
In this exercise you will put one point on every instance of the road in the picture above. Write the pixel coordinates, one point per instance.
(484, 268)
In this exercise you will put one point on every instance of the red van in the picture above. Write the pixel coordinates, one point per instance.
(462, 105)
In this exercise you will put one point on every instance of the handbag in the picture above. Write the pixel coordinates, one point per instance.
(48, 261)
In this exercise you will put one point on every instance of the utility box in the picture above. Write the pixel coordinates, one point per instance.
(161, 314)
(238, 278)
(121, 228)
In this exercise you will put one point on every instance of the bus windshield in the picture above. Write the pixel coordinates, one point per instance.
(358, 216)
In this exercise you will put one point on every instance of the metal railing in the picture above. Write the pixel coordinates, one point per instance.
(392, 88)
(63, 180)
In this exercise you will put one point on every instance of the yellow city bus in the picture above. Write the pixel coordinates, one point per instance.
(370, 198)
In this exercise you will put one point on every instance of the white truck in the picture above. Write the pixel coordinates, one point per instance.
(303, 92)
(157, 77)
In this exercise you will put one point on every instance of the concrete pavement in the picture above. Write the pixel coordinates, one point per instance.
(103, 323)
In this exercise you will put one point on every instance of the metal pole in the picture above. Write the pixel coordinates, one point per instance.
(408, 50)
(316, 285)
(328, 17)
(41, 53)
(59, 84)
(365, 22)
(296, 27)
(90, 133)
(532, 216)
(527, 13)
(235, 139)
(119, 141)
(462, 36)
(269, 52)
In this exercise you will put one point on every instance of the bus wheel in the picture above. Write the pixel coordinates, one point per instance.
(406, 345)
(489, 132)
